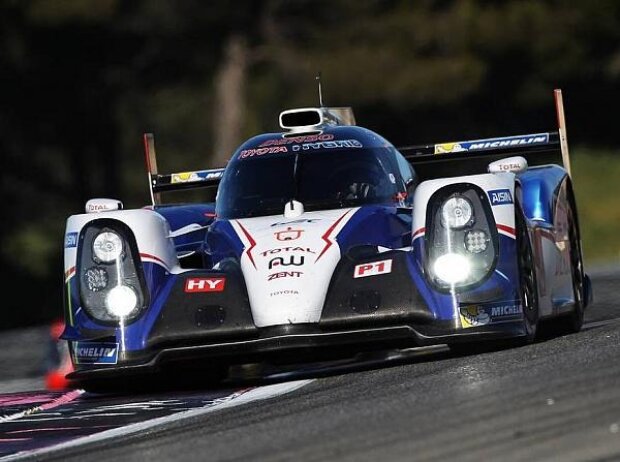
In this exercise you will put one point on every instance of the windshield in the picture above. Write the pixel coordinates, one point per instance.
(324, 179)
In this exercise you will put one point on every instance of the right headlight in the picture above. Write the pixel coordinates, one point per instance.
(461, 238)
(457, 212)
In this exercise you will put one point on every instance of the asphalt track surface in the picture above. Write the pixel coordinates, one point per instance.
(556, 400)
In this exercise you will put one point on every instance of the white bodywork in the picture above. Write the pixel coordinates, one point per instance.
(550, 244)
(151, 230)
(504, 214)
(288, 264)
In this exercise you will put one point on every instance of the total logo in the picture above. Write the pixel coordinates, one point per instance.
(287, 249)
(373, 268)
(194, 285)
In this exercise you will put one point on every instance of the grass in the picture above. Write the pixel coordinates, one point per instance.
(596, 179)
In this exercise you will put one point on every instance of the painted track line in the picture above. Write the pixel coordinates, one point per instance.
(62, 399)
(234, 400)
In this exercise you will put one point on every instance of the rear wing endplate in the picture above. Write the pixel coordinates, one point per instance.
(543, 148)
(159, 183)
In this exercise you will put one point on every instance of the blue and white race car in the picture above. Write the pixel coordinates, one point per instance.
(325, 240)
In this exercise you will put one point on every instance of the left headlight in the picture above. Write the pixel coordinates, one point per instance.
(112, 284)
(108, 246)
(461, 238)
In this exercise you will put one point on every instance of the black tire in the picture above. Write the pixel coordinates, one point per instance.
(528, 290)
(528, 286)
(572, 322)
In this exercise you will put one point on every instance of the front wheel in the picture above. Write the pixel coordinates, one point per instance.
(572, 322)
(528, 288)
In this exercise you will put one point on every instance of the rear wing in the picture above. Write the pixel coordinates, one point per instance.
(470, 157)
(159, 183)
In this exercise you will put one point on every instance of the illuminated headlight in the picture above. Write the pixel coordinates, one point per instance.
(456, 212)
(476, 241)
(452, 268)
(121, 301)
(96, 278)
(108, 246)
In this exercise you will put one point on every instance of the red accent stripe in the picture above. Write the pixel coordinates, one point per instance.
(153, 257)
(325, 237)
(506, 229)
(70, 272)
(252, 243)
(419, 232)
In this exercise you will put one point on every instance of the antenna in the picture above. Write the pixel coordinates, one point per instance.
(318, 78)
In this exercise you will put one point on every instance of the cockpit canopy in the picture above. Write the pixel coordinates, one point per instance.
(345, 167)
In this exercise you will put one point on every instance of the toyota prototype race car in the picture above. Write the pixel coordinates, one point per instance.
(325, 240)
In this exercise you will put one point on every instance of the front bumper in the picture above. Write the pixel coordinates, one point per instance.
(301, 342)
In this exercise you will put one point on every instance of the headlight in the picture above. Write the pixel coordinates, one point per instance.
(461, 242)
(96, 278)
(476, 241)
(456, 212)
(114, 289)
(108, 246)
(452, 268)
(121, 301)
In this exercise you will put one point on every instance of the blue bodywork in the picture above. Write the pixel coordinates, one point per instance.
(385, 225)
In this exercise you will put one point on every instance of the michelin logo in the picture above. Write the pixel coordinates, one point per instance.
(95, 353)
(506, 310)
(493, 143)
(500, 196)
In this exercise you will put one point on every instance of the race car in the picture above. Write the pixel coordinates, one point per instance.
(325, 240)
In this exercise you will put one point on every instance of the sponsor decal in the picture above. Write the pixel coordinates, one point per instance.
(194, 285)
(373, 268)
(71, 240)
(294, 222)
(262, 151)
(292, 261)
(287, 249)
(445, 148)
(492, 143)
(297, 140)
(473, 316)
(336, 144)
(284, 292)
(201, 175)
(95, 353)
(289, 234)
(284, 274)
(484, 314)
(500, 196)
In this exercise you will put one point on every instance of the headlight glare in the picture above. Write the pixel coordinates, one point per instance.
(452, 268)
(121, 301)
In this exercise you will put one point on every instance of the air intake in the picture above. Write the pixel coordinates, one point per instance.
(311, 119)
